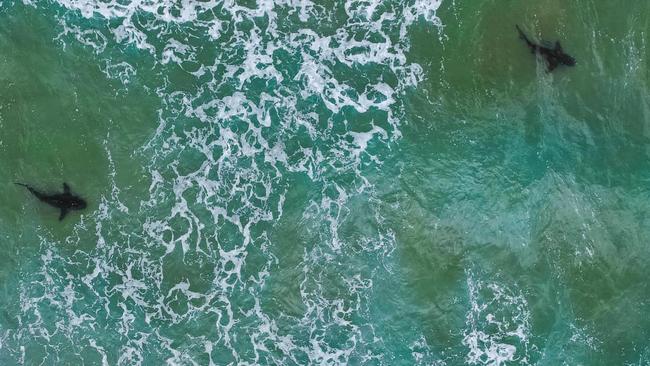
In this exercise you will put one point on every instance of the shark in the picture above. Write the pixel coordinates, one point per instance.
(65, 201)
(554, 56)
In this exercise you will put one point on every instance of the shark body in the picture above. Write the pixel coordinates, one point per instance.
(65, 201)
(554, 56)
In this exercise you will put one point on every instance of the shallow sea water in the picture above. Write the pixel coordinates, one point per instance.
(327, 183)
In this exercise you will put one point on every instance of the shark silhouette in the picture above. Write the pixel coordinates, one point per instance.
(65, 201)
(554, 56)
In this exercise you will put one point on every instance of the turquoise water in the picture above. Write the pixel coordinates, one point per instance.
(297, 182)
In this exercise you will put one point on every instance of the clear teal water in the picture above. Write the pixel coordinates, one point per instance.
(360, 182)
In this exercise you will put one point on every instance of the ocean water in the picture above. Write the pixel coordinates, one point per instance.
(298, 182)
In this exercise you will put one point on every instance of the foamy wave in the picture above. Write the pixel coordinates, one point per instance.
(248, 103)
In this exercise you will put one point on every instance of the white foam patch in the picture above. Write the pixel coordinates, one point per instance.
(497, 325)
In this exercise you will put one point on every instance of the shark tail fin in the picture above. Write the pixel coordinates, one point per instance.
(523, 36)
(519, 29)
(32, 190)
(26, 186)
(521, 33)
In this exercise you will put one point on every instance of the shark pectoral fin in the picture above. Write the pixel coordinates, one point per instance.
(558, 47)
(551, 66)
(63, 213)
(66, 188)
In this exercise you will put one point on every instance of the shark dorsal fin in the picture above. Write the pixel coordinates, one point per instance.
(66, 188)
(558, 46)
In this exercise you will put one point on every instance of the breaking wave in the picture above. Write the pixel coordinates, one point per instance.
(254, 98)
